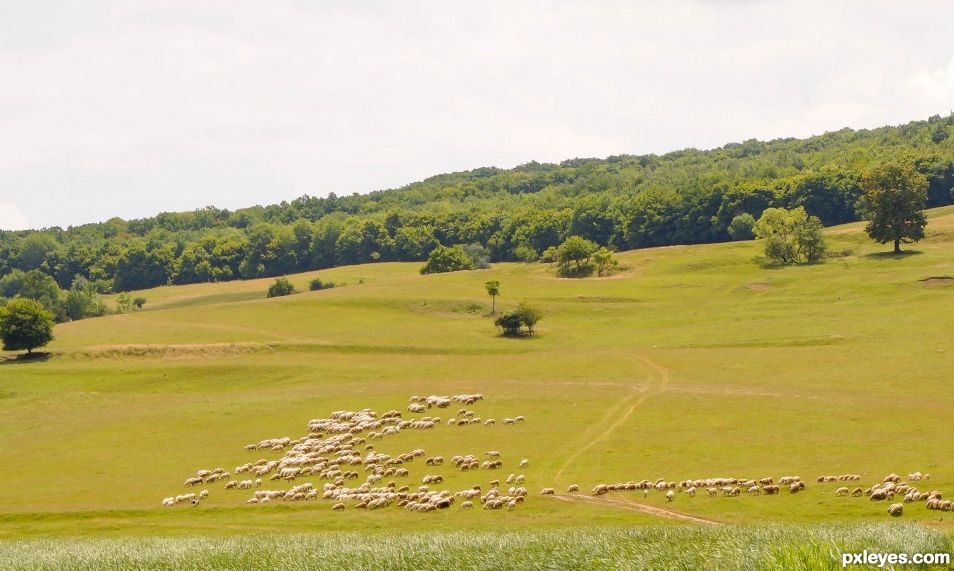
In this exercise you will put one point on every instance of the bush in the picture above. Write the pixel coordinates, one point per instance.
(316, 284)
(447, 259)
(525, 254)
(520, 321)
(742, 227)
(478, 254)
(549, 255)
(280, 288)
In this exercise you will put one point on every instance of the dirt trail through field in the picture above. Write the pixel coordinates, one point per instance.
(636, 506)
(612, 420)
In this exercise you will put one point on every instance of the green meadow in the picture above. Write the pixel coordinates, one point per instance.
(691, 362)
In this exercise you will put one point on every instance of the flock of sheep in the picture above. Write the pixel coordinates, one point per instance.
(335, 445)
(891, 486)
(337, 450)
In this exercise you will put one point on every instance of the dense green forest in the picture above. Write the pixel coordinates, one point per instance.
(625, 201)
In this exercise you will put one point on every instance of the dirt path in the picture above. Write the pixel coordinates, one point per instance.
(616, 420)
(636, 506)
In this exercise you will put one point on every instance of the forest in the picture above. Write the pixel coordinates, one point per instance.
(621, 202)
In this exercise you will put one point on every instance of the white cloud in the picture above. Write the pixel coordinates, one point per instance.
(936, 85)
(11, 218)
(130, 109)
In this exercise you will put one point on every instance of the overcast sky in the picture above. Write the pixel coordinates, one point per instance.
(133, 108)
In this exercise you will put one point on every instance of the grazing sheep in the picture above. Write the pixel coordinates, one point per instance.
(670, 495)
(896, 509)
(547, 491)
(338, 507)
(524, 463)
(712, 492)
(841, 491)
(691, 491)
(467, 505)
(573, 488)
(203, 494)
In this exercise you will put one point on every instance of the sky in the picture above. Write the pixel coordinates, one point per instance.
(133, 108)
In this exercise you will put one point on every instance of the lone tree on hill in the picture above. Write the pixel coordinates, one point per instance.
(894, 198)
(24, 324)
(493, 290)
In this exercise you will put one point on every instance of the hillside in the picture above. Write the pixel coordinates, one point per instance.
(624, 201)
(693, 362)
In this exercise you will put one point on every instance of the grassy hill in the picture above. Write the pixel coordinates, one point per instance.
(692, 362)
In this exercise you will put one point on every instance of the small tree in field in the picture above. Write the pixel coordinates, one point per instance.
(573, 256)
(605, 261)
(124, 302)
(894, 198)
(280, 288)
(24, 324)
(493, 290)
(791, 236)
(447, 259)
(139, 302)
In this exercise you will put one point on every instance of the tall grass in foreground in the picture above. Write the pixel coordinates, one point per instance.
(770, 546)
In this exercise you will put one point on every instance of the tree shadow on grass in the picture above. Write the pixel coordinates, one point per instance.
(23, 358)
(892, 256)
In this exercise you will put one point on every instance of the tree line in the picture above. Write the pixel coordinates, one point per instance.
(489, 214)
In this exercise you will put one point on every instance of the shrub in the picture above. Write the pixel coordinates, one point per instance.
(447, 259)
(316, 284)
(525, 254)
(478, 254)
(742, 227)
(280, 288)
(519, 321)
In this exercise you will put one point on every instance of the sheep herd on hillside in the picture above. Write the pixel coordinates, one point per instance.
(886, 490)
(339, 450)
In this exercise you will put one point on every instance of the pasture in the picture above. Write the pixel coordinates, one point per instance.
(692, 362)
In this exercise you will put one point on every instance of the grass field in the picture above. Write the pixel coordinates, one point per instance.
(777, 546)
(693, 362)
